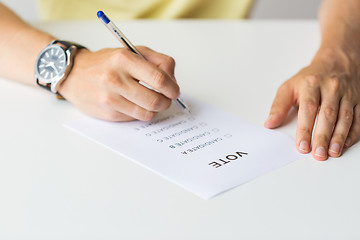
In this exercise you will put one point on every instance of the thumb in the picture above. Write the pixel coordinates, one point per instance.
(281, 105)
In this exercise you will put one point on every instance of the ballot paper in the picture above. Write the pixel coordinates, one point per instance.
(206, 152)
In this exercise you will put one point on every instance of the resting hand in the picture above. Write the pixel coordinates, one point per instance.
(104, 84)
(329, 89)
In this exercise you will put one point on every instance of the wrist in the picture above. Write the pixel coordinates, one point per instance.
(340, 53)
(54, 64)
(338, 62)
(345, 41)
(69, 84)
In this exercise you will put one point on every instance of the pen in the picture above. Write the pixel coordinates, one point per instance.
(121, 37)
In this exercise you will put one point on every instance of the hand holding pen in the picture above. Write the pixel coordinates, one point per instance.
(105, 84)
(126, 42)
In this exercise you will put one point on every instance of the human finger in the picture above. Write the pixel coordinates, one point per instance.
(151, 75)
(107, 113)
(326, 120)
(342, 127)
(144, 97)
(354, 131)
(121, 107)
(162, 61)
(280, 107)
(308, 108)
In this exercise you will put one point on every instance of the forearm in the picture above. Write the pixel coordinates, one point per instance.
(340, 25)
(19, 46)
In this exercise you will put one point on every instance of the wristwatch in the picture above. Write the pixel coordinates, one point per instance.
(54, 64)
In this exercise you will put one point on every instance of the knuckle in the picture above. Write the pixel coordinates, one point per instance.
(334, 85)
(159, 78)
(146, 115)
(103, 78)
(169, 61)
(321, 139)
(348, 116)
(340, 137)
(330, 113)
(120, 56)
(155, 103)
(108, 78)
(304, 131)
(142, 114)
(167, 104)
(312, 81)
(310, 106)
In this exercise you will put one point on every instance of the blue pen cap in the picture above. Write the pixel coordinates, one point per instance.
(103, 17)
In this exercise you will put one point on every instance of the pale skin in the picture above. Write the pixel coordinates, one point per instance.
(329, 88)
(104, 84)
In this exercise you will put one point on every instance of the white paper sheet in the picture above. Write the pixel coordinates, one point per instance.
(207, 152)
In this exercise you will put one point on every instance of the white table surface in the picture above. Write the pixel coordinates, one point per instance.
(55, 184)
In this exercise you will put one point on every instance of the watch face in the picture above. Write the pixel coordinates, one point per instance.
(51, 64)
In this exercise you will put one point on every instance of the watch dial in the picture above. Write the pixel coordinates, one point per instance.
(51, 64)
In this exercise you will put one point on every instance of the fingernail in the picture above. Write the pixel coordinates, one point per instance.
(320, 152)
(348, 142)
(304, 146)
(335, 148)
